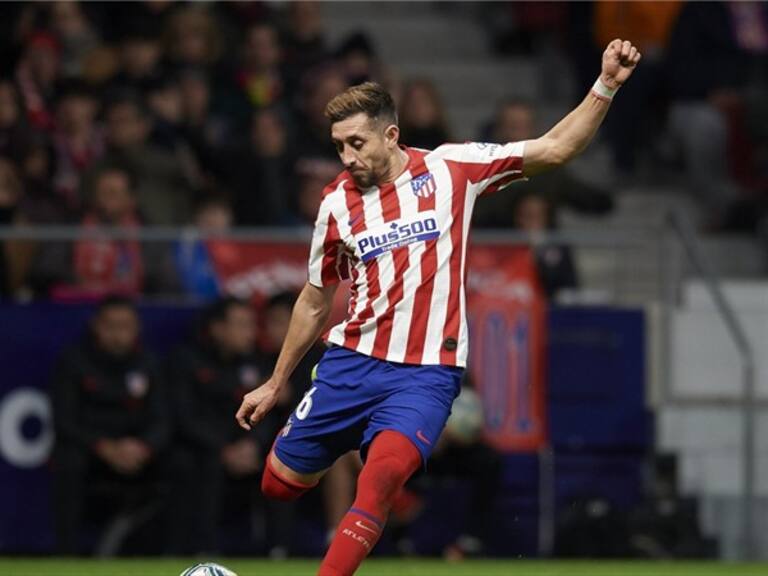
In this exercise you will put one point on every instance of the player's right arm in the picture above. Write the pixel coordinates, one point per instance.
(309, 317)
(327, 267)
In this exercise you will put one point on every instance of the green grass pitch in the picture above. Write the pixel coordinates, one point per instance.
(376, 567)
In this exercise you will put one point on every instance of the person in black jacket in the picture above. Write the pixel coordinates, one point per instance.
(111, 425)
(212, 455)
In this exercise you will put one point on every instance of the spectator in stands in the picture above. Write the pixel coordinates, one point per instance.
(120, 20)
(636, 116)
(12, 122)
(515, 121)
(139, 52)
(359, 62)
(77, 141)
(102, 265)
(162, 95)
(716, 52)
(260, 173)
(193, 37)
(276, 317)
(10, 195)
(77, 37)
(205, 129)
(111, 424)
(166, 106)
(304, 44)
(97, 264)
(260, 77)
(36, 75)
(318, 87)
(422, 118)
(192, 257)
(33, 154)
(312, 175)
(536, 214)
(212, 455)
(523, 28)
(164, 191)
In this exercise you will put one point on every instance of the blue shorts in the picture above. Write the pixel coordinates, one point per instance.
(354, 397)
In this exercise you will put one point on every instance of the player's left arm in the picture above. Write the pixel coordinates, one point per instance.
(574, 132)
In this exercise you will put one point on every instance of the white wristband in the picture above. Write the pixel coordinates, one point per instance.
(602, 92)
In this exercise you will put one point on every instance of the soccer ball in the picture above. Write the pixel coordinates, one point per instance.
(466, 420)
(207, 569)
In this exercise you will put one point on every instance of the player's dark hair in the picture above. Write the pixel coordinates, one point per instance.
(370, 98)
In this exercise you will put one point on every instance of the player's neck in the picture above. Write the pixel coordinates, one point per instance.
(397, 166)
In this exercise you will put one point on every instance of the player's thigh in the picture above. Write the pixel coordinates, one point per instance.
(417, 407)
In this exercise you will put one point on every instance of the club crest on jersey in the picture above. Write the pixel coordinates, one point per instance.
(424, 186)
(402, 232)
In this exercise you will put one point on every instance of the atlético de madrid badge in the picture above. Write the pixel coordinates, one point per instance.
(424, 186)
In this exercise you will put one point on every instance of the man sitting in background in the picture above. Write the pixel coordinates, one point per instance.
(212, 455)
(110, 419)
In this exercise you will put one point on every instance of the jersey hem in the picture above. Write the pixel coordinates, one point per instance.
(458, 364)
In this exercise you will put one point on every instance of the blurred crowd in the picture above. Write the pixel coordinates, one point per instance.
(211, 115)
(149, 447)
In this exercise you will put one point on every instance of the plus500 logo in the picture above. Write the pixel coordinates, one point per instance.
(396, 235)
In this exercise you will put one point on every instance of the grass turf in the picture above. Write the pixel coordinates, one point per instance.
(376, 567)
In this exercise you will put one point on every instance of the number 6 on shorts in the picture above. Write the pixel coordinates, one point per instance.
(302, 410)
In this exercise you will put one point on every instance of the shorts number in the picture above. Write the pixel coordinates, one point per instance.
(302, 410)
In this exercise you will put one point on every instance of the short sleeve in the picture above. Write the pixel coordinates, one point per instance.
(328, 263)
(491, 166)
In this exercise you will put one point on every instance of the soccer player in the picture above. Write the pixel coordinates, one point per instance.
(396, 221)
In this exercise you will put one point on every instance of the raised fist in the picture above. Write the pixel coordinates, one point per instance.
(619, 61)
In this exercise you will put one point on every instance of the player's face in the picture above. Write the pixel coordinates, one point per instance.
(366, 148)
(116, 330)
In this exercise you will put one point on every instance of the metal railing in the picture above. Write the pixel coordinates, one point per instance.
(687, 237)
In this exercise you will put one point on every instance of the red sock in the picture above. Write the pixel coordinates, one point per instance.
(392, 459)
(274, 486)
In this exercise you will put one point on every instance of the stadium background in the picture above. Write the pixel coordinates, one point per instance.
(648, 400)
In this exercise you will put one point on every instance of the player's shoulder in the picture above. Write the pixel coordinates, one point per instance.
(472, 152)
(448, 151)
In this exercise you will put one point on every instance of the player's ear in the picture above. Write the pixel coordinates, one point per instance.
(392, 135)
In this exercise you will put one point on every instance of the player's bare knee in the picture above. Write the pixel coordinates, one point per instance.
(277, 485)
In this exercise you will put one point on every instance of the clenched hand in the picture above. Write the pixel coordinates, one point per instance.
(619, 61)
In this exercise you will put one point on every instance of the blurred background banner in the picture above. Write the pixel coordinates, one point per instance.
(506, 309)
(257, 270)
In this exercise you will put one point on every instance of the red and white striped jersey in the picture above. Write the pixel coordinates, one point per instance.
(404, 246)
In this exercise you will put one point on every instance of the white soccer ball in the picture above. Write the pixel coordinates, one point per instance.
(207, 569)
(466, 420)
